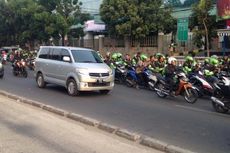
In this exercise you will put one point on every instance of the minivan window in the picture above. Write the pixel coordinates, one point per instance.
(64, 52)
(44, 53)
(55, 55)
(86, 56)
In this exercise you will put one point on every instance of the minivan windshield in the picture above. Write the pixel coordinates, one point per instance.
(86, 56)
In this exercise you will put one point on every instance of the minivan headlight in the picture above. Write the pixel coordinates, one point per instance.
(111, 71)
(82, 71)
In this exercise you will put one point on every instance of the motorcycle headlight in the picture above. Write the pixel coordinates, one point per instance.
(82, 71)
(0, 65)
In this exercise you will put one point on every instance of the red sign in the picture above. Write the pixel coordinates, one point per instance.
(223, 9)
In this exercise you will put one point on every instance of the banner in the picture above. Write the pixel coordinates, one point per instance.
(223, 9)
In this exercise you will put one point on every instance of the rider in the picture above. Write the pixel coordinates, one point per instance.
(140, 67)
(212, 69)
(136, 58)
(17, 58)
(108, 58)
(128, 60)
(160, 64)
(189, 65)
(170, 70)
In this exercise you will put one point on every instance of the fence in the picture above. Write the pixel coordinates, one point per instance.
(149, 44)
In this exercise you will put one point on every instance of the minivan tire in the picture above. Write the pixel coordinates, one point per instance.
(72, 87)
(40, 81)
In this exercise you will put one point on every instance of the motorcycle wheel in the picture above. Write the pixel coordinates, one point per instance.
(129, 81)
(160, 87)
(218, 108)
(190, 95)
(25, 74)
(152, 87)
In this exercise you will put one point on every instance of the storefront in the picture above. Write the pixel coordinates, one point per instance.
(223, 14)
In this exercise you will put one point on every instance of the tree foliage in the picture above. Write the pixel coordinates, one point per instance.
(136, 18)
(188, 3)
(28, 21)
(173, 3)
(203, 23)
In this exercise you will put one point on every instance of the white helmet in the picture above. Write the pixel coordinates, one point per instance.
(108, 54)
(171, 59)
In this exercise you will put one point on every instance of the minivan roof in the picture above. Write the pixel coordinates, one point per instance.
(66, 47)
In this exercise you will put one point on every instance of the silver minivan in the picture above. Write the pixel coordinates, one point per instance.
(77, 69)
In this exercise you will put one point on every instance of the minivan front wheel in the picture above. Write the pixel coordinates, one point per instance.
(72, 87)
(40, 81)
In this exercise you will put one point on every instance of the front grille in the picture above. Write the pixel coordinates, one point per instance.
(98, 74)
(97, 84)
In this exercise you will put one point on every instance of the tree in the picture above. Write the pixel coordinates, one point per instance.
(29, 21)
(135, 18)
(203, 21)
(65, 11)
(173, 3)
(189, 3)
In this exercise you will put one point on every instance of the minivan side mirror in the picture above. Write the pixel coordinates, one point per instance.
(66, 59)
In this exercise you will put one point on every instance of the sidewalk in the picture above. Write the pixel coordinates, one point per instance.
(26, 129)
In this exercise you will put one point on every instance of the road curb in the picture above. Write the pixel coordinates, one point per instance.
(82, 119)
(54, 110)
(132, 136)
(176, 149)
(128, 135)
(107, 128)
(153, 143)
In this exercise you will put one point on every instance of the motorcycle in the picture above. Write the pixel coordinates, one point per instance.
(31, 63)
(132, 80)
(203, 87)
(19, 68)
(183, 87)
(221, 98)
(1, 70)
(120, 73)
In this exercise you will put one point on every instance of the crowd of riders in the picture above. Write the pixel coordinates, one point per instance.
(164, 66)
(17, 58)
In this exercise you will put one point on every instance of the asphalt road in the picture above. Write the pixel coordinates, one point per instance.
(192, 126)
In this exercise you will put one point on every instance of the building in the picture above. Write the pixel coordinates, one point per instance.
(223, 16)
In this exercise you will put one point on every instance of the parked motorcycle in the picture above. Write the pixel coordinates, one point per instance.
(183, 87)
(120, 73)
(132, 80)
(19, 68)
(203, 87)
(221, 98)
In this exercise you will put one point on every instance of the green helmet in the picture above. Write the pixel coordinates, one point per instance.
(119, 55)
(214, 61)
(189, 59)
(143, 57)
(114, 56)
(159, 55)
